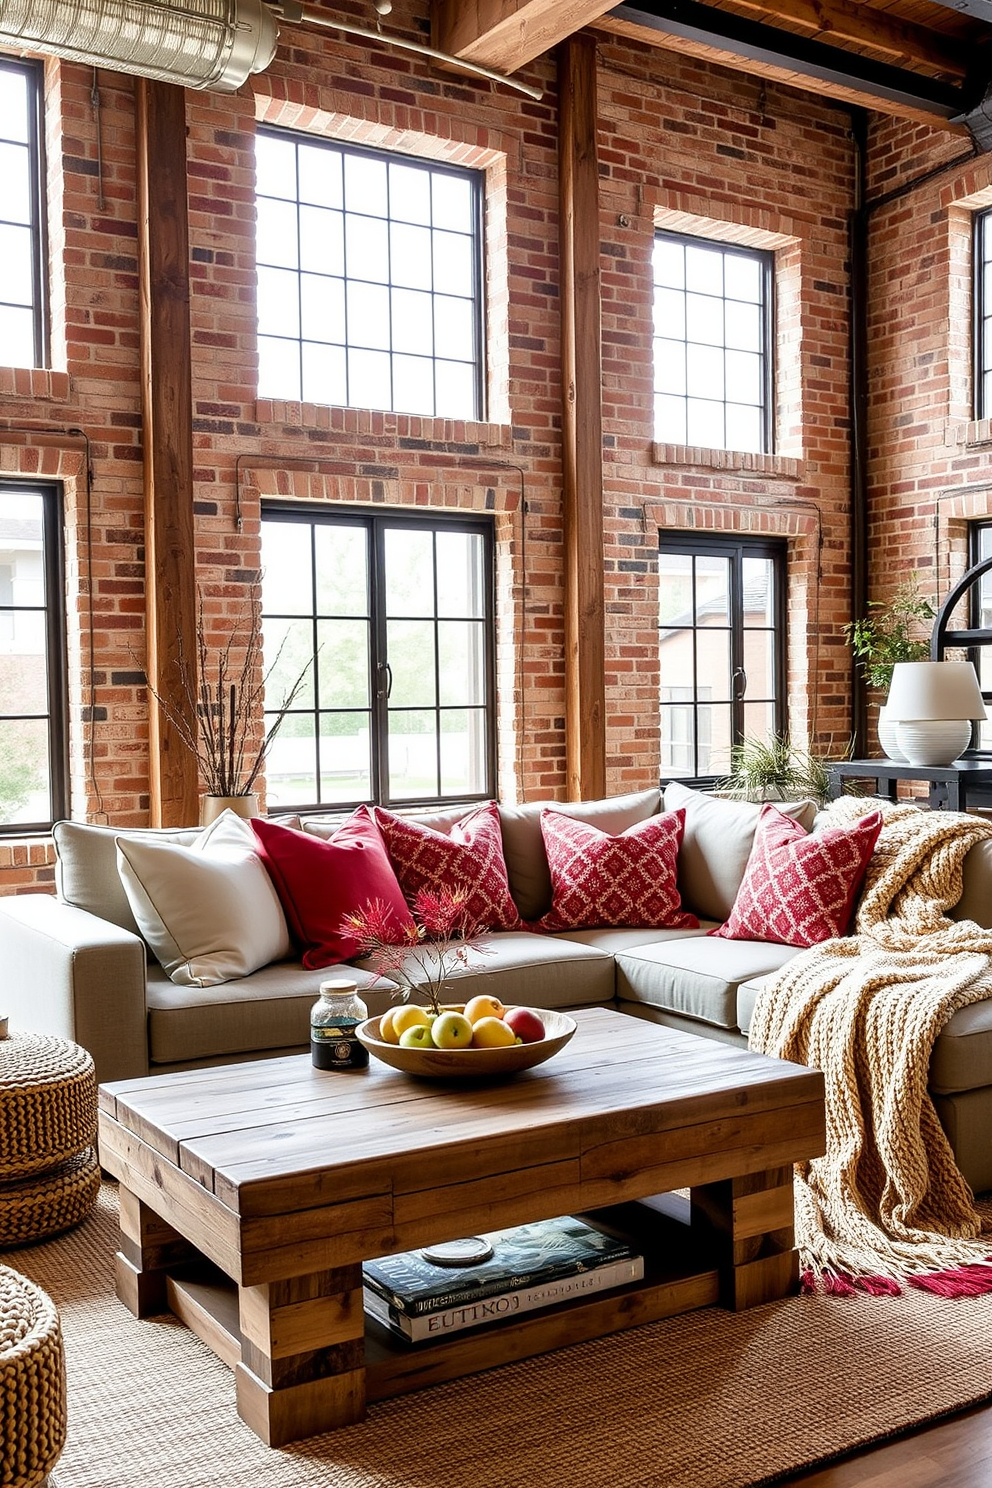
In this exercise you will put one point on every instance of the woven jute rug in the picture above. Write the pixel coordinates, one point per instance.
(709, 1400)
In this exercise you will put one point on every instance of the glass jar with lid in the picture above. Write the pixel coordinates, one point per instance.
(334, 1018)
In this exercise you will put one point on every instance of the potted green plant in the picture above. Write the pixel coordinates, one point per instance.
(774, 769)
(898, 630)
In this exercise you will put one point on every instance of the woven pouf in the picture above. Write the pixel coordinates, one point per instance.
(47, 1103)
(46, 1203)
(32, 1383)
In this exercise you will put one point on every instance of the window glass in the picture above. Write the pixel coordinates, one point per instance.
(32, 669)
(721, 650)
(712, 344)
(22, 320)
(982, 257)
(369, 275)
(397, 616)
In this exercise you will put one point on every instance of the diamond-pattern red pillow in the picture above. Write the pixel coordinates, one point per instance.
(598, 879)
(799, 888)
(470, 858)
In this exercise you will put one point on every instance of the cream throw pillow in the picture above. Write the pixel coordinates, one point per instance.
(716, 845)
(209, 911)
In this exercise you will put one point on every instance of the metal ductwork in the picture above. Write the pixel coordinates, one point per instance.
(197, 44)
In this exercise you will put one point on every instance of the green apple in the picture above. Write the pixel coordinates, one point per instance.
(451, 1031)
(416, 1037)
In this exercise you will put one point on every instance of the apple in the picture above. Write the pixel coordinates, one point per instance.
(483, 1006)
(417, 1036)
(409, 1015)
(526, 1025)
(451, 1031)
(492, 1033)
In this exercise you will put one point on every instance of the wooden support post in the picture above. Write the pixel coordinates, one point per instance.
(582, 421)
(752, 1220)
(302, 1364)
(167, 414)
(149, 1247)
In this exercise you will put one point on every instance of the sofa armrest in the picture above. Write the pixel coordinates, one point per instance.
(69, 973)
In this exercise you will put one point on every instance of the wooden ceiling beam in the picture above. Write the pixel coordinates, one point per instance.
(842, 20)
(978, 10)
(506, 34)
(728, 40)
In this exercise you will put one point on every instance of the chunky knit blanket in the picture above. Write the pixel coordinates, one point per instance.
(886, 1201)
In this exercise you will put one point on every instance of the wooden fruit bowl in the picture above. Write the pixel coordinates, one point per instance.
(457, 1064)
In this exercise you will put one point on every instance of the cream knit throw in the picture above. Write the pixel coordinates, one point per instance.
(887, 1199)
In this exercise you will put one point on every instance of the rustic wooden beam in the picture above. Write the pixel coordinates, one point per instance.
(844, 76)
(167, 414)
(844, 20)
(506, 34)
(582, 420)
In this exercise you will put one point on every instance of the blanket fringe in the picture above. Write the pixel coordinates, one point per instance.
(974, 1280)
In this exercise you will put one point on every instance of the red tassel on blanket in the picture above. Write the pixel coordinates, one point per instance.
(836, 1284)
(878, 1286)
(963, 1281)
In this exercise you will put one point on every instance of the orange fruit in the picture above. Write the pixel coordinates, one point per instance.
(483, 1006)
(492, 1033)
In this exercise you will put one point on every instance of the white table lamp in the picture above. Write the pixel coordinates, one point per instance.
(934, 704)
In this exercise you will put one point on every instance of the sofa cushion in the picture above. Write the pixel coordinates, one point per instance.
(716, 845)
(209, 911)
(696, 975)
(599, 878)
(799, 887)
(469, 860)
(320, 882)
(271, 1009)
(976, 898)
(523, 846)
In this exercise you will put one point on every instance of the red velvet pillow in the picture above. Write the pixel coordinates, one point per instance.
(470, 859)
(629, 879)
(319, 882)
(799, 888)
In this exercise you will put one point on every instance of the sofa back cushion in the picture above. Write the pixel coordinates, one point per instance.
(523, 845)
(976, 899)
(717, 844)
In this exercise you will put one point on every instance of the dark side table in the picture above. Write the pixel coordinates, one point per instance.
(950, 785)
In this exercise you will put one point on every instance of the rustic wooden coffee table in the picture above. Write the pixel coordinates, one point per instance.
(286, 1178)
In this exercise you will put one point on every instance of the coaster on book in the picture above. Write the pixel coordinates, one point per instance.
(471, 1251)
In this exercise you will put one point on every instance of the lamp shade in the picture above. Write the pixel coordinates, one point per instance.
(934, 690)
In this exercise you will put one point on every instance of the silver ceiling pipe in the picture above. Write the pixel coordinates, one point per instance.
(197, 44)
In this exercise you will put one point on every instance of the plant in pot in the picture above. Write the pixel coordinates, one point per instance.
(898, 630)
(773, 769)
(224, 696)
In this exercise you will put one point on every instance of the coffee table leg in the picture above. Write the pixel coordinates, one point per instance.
(149, 1247)
(752, 1220)
(302, 1367)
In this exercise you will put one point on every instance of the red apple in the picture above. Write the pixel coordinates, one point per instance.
(525, 1024)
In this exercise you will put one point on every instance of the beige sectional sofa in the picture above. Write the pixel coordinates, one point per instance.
(76, 964)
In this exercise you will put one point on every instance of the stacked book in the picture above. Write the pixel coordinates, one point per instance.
(531, 1266)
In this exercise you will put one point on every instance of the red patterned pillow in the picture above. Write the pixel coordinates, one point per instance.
(598, 879)
(799, 888)
(319, 882)
(470, 858)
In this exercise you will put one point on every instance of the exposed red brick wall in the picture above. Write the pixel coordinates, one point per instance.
(679, 140)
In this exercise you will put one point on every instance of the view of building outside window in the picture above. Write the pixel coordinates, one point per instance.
(397, 620)
(718, 658)
(369, 279)
(25, 691)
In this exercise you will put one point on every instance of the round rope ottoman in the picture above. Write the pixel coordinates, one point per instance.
(32, 1383)
(49, 1174)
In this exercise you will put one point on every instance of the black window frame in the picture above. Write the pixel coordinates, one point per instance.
(375, 523)
(765, 258)
(57, 679)
(476, 180)
(737, 547)
(32, 71)
(981, 338)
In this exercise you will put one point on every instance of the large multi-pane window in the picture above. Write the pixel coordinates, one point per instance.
(712, 344)
(394, 615)
(369, 278)
(980, 618)
(32, 663)
(22, 308)
(982, 260)
(721, 650)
